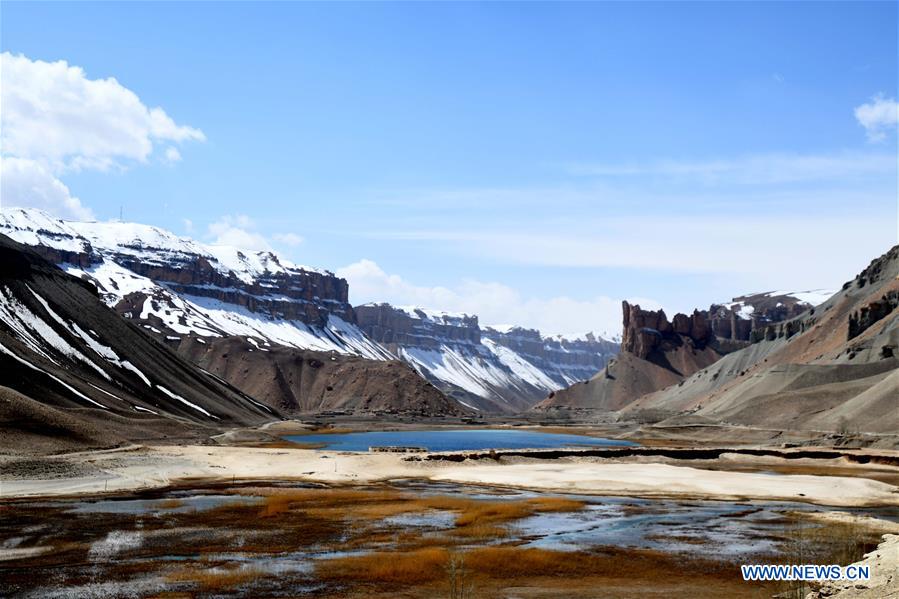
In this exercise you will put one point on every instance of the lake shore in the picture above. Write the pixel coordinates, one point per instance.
(726, 478)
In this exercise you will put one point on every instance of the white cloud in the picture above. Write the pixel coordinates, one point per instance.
(54, 114)
(761, 169)
(56, 120)
(762, 251)
(188, 225)
(237, 231)
(493, 303)
(289, 239)
(27, 183)
(172, 155)
(878, 117)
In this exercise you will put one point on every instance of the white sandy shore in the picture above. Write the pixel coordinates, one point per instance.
(149, 467)
(665, 480)
(859, 521)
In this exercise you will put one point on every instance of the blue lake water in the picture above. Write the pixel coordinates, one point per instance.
(455, 440)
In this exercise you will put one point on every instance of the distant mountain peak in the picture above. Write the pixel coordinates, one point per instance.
(505, 368)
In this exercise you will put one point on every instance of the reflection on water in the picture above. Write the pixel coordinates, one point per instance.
(175, 504)
(718, 529)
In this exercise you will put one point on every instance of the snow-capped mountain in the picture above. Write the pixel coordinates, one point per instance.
(566, 359)
(67, 362)
(486, 369)
(217, 305)
(281, 333)
(176, 286)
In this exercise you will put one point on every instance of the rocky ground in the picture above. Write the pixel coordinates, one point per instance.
(884, 582)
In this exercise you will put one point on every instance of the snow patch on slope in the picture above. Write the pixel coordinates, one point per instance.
(75, 391)
(177, 397)
(36, 333)
(209, 317)
(520, 367)
(481, 371)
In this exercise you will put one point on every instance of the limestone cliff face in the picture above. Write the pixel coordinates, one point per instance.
(281, 331)
(495, 371)
(877, 274)
(395, 327)
(282, 292)
(567, 359)
(863, 318)
(658, 353)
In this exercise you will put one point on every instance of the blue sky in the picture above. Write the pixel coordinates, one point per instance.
(533, 163)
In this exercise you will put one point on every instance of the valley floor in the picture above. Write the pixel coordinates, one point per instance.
(854, 483)
(863, 477)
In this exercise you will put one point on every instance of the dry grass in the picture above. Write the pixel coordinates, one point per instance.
(632, 564)
(319, 502)
(484, 512)
(518, 562)
(823, 543)
(412, 567)
(274, 505)
(507, 563)
(475, 518)
(323, 430)
(679, 539)
(168, 504)
(216, 579)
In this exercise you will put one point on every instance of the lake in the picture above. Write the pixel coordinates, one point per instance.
(456, 440)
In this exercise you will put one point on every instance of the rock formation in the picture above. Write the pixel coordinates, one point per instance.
(655, 353)
(494, 371)
(647, 333)
(567, 359)
(307, 382)
(269, 314)
(832, 368)
(70, 367)
(415, 327)
(744, 315)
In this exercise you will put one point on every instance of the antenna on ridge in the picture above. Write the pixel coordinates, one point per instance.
(121, 210)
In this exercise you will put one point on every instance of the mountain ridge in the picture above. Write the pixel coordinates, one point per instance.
(189, 295)
(821, 368)
(483, 368)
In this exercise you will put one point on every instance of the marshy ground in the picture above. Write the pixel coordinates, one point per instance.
(404, 539)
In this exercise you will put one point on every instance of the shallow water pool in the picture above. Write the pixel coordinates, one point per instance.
(456, 440)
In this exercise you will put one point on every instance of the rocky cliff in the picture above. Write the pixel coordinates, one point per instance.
(416, 327)
(260, 282)
(489, 369)
(745, 318)
(648, 334)
(831, 368)
(565, 359)
(271, 314)
(655, 353)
